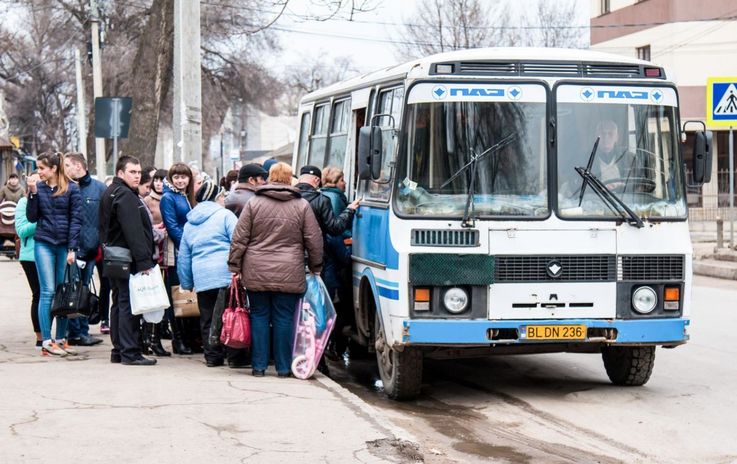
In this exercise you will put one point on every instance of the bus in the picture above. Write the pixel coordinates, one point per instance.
(513, 201)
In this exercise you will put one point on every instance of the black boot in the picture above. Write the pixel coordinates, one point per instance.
(177, 338)
(164, 331)
(153, 342)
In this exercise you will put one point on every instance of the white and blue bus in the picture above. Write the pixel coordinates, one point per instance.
(513, 201)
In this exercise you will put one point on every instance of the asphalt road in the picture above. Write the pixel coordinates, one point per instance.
(562, 408)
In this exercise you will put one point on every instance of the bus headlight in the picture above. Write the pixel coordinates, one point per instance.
(644, 300)
(455, 300)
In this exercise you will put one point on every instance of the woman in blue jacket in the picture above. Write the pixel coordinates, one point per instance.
(55, 205)
(177, 200)
(26, 230)
(203, 259)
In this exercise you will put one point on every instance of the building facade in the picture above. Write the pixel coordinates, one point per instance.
(692, 41)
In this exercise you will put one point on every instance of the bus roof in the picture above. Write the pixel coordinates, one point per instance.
(421, 67)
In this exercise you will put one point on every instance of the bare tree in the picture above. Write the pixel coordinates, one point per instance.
(445, 25)
(138, 58)
(36, 73)
(313, 73)
(554, 25)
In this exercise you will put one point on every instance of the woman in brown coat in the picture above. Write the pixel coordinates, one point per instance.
(268, 249)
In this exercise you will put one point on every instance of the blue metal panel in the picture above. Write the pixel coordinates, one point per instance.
(450, 332)
(371, 238)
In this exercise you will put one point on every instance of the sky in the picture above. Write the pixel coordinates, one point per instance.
(367, 39)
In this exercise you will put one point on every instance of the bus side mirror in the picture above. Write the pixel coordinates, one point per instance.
(702, 157)
(369, 153)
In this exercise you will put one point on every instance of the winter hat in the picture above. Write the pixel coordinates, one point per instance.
(208, 191)
(268, 163)
(252, 170)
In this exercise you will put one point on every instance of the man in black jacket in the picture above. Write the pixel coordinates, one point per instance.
(309, 181)
(124, 222)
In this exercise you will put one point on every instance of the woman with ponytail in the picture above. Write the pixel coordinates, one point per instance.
(54, 204)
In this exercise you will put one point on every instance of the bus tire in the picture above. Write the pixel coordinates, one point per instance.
(400, 371)
(629, 365)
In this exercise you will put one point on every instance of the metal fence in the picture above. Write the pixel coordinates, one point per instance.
(710, 202)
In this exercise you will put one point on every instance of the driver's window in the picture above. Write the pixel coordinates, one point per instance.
(390, 102)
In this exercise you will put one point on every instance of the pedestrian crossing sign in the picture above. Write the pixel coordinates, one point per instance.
(721, 101)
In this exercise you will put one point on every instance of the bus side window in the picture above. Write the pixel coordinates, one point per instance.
(338, 134)
(363, 185)
(304, 134)
(390, 102)
(318, 140)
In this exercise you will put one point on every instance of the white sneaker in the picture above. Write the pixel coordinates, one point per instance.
(64, 345)
(50, 347)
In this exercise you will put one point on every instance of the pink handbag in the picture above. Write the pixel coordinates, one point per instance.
(236, 331)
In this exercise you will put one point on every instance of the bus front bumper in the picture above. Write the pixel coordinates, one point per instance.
(484, 332)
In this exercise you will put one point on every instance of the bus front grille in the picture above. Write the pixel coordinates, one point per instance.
(650, 268)
(551, 268)
(445, 237)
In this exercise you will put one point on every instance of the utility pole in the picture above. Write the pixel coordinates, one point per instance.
(81, 107)
(187, 83)
(97, 84)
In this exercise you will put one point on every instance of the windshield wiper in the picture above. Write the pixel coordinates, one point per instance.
(468, 210)
(589, 165)
(610, 198)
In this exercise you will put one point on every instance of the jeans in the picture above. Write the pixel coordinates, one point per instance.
(29, 267)
(79, 327)
(277, 308)
(51, 260)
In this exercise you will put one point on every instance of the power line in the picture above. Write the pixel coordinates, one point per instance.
(500, 27)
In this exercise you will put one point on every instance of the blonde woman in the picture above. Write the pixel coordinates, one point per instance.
(55, 205)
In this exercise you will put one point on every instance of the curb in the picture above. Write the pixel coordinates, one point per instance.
(368, 412)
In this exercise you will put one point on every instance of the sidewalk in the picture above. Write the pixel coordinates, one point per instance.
(84, 409)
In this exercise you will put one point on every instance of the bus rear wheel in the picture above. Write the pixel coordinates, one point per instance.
(629, 365)
(400, 371)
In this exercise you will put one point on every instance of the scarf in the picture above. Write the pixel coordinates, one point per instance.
(154, 195)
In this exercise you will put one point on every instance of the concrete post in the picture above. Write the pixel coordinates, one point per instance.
(187, 83)
(97, 84)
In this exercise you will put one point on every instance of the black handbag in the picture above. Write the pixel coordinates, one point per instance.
(91, 309)
(70, 296)
(116, 262)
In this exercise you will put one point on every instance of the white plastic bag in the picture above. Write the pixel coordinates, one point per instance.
(147, 292)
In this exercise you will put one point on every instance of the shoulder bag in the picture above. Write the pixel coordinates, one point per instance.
(116, 262)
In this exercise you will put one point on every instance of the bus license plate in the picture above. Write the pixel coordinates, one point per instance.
(556, 332)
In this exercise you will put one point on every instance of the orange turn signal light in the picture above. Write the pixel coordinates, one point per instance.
(672, 294)
(422, 294)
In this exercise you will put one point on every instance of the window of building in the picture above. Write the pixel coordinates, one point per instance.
(605, 7)
(643, 53)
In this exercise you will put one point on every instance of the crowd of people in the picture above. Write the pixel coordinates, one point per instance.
(260, 224)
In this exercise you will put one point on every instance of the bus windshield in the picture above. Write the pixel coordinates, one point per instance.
(627, 138)
(493, 135)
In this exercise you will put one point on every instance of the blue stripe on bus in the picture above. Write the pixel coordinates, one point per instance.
(462, 332)
(388, 293)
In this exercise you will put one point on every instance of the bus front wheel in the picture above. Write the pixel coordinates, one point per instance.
(400, 371)
(629, 365)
